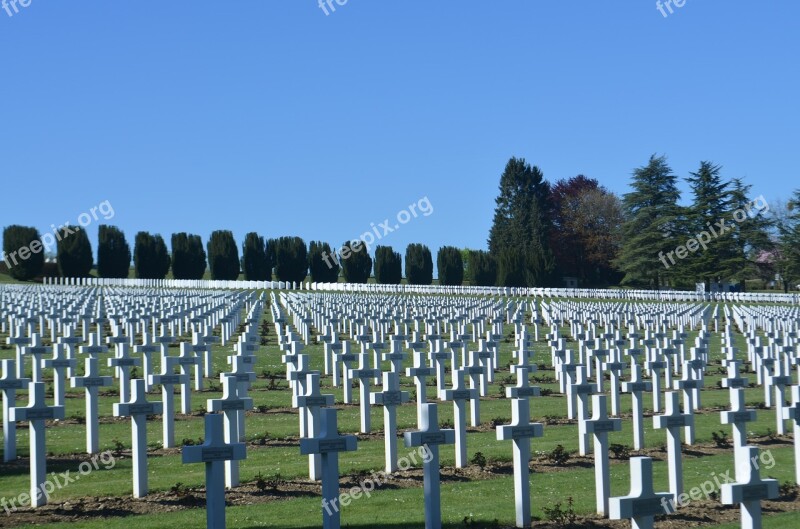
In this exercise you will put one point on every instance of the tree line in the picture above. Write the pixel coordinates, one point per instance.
(285, 258)
(541, 234)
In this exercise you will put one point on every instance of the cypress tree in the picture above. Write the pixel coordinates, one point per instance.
(23, 252)
(388, 266)
(419, 265)
(113, 253)
(450, 266)
(74, 253)
(291, 259)
(322, 263)
(356, 262)
(255, 264)
(482, 269)
(223, 256)
(150, 257)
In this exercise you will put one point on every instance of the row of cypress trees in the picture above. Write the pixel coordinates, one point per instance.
(289, 257)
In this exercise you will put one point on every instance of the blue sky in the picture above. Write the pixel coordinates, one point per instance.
(272, 116)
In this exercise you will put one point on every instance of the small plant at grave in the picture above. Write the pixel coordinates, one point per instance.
(179, 490)
(564, 517)
(545, 392)
(260, 439)
(558, 455)
(771, 434)
(154, 445)
(479, 459)
(620, 451)
(80, 419)
(541, 367)
(134, 372)
(499, 421)
(501, 390)
(721, 439)
(550, 420)
(262, 408)
(507, 380)
(714, 495)
(447, 424)
(544, 379)
(186, 441)
(789, 490)
(273, 383)
(264, 340)
(261, 483)
(469, 522)
(199, 410)
(118, 446)
(214, 387)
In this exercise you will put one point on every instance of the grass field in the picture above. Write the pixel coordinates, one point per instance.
(276, 490)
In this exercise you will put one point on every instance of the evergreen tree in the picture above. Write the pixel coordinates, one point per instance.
(356, 262)
(482, 269)
(419, 265)
(789, 244)
(188, 256)
(23, 252)
(715, 259)
(272, 255)
(322, 263)
(291, 259)
(388, 266)
(74, 253)
(255, 264)
(751, 238)
(150, 257)
(511, 268)
(223, 256)
(522, 222)
(652, 225)
(113, 253)
(450, 266)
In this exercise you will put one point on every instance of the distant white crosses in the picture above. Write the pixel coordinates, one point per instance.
(599, 427)
(459, 395)
(214, 452)
(390, 398)
(328, 445)
(122, 363)
(672, 421)
(656, 367)
(749, 489)
(582, 391)
(61, 366)
(230, 405)
(146, 350)
(521, 431)
(9, 384)
(36, 351)
(779, 381)
(430, 436)
(36, 413)
(187, 361)
(643, 504)
(92, 381)
(689, 386)
(138, 408)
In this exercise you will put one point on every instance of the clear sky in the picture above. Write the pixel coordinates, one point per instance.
(272, 116)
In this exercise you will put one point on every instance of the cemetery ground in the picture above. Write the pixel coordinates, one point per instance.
(275, 490)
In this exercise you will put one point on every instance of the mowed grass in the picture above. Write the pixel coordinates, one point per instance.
(478, 500)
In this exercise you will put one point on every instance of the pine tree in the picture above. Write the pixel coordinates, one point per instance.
(223, 256)
(651, 227)
(522, 222)
(450, 266)
(23, 252)
(113, 253)
(356, 262)
(255, 265)
(74, 253)
(790, 243)
(388, 266)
